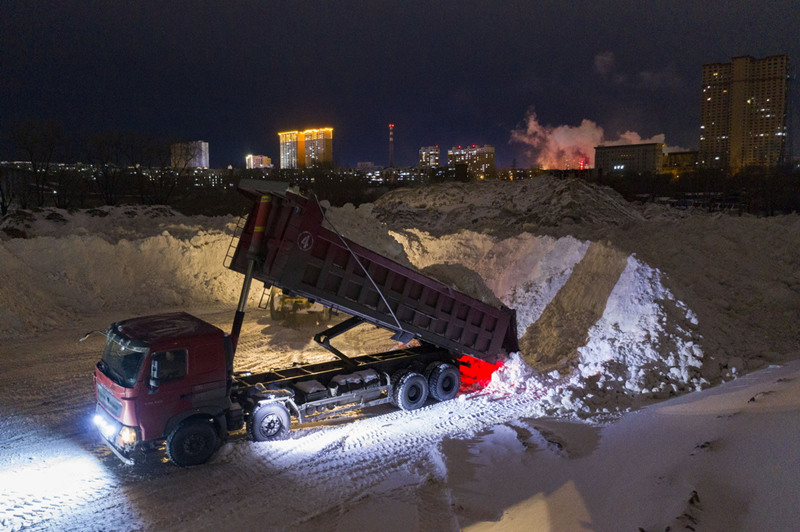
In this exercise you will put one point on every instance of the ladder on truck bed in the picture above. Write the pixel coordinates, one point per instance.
(263, 301)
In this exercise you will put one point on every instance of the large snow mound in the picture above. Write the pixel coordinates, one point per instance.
(586, 312)
(109, 223)
(616, 304)
(500, 206)
(671, 299)
(131, 258)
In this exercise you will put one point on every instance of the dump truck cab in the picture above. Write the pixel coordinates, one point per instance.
(157, 372)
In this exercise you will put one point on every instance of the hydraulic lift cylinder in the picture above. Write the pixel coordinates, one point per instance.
(262, 215)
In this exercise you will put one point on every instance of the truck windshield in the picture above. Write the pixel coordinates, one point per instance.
(121, 364)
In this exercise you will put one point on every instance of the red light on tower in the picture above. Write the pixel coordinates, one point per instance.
(391, 145)
(582, 164)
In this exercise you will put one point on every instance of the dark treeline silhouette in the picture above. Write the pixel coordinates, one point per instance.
(755, 190)
(110, 168)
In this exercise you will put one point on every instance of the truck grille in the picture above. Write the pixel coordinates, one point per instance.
(108, 401)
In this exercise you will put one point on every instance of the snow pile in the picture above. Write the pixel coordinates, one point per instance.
(112, 224)
(637, 304)
(135, 259)
(500, 206)
(616, 305)
(358, 225)
(638, 341)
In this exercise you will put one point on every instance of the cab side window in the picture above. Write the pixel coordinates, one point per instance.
(169, 365)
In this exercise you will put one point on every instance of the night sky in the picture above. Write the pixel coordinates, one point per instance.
(234, 73)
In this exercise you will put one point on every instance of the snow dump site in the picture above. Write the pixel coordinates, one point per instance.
(657, 383)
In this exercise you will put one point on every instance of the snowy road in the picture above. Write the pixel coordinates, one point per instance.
(468, 462)
(60, 476)
(698, 300)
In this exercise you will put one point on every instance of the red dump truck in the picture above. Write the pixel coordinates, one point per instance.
(170, 377)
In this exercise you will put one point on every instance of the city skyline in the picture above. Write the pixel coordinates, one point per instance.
(504, 74)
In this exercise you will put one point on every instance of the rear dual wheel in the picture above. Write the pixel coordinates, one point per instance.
(444, 380)
(409, 390)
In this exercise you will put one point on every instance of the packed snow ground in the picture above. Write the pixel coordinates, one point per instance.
(618, 306)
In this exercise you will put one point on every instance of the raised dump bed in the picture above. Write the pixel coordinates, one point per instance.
(292, 250)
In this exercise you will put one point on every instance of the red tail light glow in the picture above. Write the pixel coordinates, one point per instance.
(475, 373)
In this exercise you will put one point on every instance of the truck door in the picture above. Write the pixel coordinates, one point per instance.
(169, 391)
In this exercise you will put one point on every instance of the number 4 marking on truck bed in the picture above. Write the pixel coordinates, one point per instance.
(305, 240)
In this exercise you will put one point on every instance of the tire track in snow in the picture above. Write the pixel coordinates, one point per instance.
(329, 467)
(44, 492)
(335, 466)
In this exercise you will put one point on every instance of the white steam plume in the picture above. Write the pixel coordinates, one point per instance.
(566, 147)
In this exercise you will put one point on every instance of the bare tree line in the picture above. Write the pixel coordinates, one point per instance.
(66, 171)
(753, 190)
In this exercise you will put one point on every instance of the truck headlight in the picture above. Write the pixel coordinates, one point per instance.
(127, 435)
(106, 428)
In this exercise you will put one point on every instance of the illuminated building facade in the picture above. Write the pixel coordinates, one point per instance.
(306, 149)
(630, 158)
(744, 118)
(257, 161)
(189, 154)
(479, 159)
(429, 157)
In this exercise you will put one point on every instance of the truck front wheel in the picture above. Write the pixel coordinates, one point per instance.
(410, 390)
(193, 442)
(269, 422)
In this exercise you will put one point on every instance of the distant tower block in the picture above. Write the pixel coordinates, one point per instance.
(391, 145)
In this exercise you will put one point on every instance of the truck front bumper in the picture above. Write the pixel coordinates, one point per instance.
(121, 439)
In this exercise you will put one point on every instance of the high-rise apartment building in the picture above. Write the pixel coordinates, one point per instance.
(744, 118)
(479, 159)
(189, 154)
(429, 157)
(288, 149)
(305, 149)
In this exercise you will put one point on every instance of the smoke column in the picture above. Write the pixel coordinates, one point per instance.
(565, 147)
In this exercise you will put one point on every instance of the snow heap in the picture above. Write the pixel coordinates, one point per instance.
(641, 341)
(359, 226)
(544, 202)
(623, 302)
(616, 304)
(112, 224)
(134, 259)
